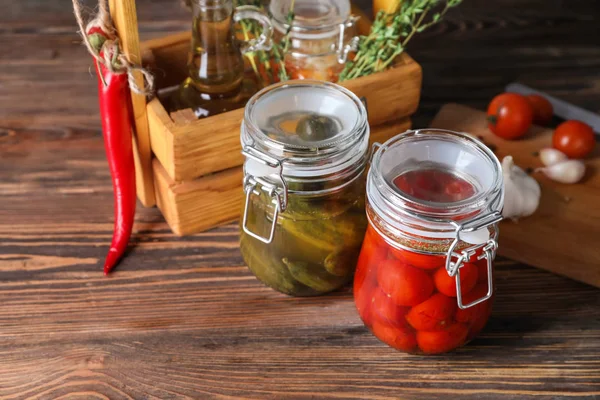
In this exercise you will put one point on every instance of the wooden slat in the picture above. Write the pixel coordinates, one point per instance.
(201, 204)
(124, 17)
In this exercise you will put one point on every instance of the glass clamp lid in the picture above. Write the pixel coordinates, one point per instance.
(296, 137)
(316, 20)
(440, 185)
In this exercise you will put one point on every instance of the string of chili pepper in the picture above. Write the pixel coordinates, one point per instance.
(117, 125)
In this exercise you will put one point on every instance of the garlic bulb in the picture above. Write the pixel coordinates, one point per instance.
(570, 171)
(521, 192)
(550, 156)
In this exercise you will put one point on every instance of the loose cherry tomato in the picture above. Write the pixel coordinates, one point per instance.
(542, 109)
(385, 307)
(433, 314)
(574, 138)
(509, 115)
(447, 285)
(399, 337)
(435, 342)
(406, 285)
(424, 261)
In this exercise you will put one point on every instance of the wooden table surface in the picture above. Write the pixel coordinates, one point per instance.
(183, 317)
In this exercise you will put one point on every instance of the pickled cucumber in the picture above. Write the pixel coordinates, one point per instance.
(313, 276)
(266, 268)
(315, 244)
(341, 262)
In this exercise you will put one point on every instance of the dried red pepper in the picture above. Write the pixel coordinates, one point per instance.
(117, 124)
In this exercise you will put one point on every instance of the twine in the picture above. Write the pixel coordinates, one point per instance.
(111, 56)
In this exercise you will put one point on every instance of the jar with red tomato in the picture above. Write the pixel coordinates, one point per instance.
(424, 281)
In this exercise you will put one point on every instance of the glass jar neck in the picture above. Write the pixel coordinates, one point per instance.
(215, 7)
(408, 219)
(314, 135)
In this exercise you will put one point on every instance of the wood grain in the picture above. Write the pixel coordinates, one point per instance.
(183, 318)
(563, 235)
(124, 16)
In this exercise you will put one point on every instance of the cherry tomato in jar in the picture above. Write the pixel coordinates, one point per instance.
(509, 115)
(542, 109)
(363, 299)
(433, 314)
(472, 313)
(478, 315)
(435, 342)
(574, 138)
(482, 270)
(423, 261)
(399, 337)
(384, 306)
(406, 285)
(446, 284)
(374, 250)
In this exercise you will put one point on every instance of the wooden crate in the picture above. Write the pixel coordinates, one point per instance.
(192, 169)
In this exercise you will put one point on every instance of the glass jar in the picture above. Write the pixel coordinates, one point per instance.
(216, 64)
(322, 33)
(306, 146)
(424, 280)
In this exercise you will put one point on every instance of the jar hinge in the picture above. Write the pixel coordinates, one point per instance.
(277, 191)
(489, 253)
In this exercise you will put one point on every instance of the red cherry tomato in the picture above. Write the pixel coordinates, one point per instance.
(447, 285)
(372, 253)
(399, 337)
(542, 109)
(478, 315)
(385, 307)
(482, 270)
(574, 138)
(435, 342)
(472, 313)
(509, 115)
(433, 314)
(424, 261)
(363, 299)
(406, 285)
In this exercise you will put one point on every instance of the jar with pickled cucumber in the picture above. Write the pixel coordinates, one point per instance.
(305, 145)
(424, 281)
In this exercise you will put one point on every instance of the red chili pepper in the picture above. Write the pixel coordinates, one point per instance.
(117, 124)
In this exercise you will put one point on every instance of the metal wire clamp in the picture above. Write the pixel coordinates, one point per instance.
(277, 190)
(454, 260)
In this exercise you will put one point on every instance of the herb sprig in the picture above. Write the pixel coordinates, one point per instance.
(261, 61)
(390, 33)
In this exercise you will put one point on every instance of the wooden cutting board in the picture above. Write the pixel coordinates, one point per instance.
(563, 236)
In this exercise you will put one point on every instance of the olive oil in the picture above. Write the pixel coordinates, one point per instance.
(215, 81)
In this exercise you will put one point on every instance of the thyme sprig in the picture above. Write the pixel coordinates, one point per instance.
(257, 59)
(390, 33)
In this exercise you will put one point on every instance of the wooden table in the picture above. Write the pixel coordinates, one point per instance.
(183, 317)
